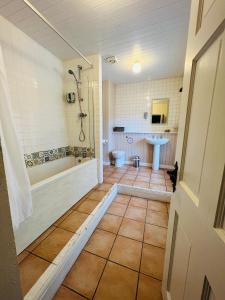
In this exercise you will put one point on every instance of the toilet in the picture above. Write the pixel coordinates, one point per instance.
(119, 157)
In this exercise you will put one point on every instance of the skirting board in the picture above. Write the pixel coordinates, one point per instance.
(50, 281)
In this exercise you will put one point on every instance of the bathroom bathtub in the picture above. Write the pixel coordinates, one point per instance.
(56, 187)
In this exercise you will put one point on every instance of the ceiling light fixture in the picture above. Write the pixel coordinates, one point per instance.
(136, 68)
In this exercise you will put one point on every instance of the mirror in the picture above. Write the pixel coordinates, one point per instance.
(160, 108)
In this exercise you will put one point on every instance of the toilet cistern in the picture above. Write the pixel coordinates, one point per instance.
(156, 142)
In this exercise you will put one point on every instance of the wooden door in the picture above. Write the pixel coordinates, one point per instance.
(195, 253)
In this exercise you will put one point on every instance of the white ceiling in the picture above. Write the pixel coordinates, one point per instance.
(153, 32)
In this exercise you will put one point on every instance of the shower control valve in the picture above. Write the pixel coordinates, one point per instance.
(70, 98)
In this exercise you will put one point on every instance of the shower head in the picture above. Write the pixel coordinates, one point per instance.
(72, 73)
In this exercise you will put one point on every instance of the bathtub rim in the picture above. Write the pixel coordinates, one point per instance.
(40, 184)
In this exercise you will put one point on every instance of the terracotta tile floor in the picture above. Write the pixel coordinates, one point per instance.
(124, 257)
(143, 177)
(36, 258)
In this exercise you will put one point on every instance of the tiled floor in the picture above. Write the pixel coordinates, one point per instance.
(36, 258)
(124, 257)
(142, 177)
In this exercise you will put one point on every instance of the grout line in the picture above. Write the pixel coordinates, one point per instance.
(107, 260)
(142, 244)
(41, 240)
(124, 216)
(120, 234)
(34, 254)
(157, 225)
(132, 182)
(72, 290)
(151, 276)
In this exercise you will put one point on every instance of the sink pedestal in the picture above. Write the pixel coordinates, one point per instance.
(156, 142)
(156, 157)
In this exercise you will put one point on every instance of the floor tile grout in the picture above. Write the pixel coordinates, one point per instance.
(34, 254)
(141, 258)
(72, 290)
(107, 260)
(164, 185)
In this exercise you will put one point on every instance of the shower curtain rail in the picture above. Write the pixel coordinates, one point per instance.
(56, 31)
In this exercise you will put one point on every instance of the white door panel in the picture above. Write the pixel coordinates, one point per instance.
(213, 166)
(195, 252)
(180, 264)
(201, 105)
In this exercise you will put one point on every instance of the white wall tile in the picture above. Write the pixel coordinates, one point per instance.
(133, 99)
(35, 79)
(91, 92)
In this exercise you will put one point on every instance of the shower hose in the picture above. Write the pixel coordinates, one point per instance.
(82, 136)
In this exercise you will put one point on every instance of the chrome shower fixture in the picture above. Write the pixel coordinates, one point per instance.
(71, 72)
(82, 115)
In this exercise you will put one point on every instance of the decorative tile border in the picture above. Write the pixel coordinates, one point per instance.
(82, 152)
(41, 157)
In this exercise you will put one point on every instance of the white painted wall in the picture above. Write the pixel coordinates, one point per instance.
(36, 86)
(133, 99)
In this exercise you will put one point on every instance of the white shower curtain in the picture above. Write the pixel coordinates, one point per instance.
(16, 175)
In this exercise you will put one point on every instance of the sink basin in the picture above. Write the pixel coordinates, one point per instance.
(156, 142)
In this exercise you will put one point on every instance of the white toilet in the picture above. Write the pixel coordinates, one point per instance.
(119, 157)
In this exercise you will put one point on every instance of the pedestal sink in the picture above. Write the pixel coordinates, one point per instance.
(156, 142)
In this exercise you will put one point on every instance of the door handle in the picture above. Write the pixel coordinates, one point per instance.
(173, 176)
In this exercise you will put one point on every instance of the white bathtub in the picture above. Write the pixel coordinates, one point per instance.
(56, 186)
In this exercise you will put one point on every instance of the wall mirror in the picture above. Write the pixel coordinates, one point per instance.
(160, 110)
